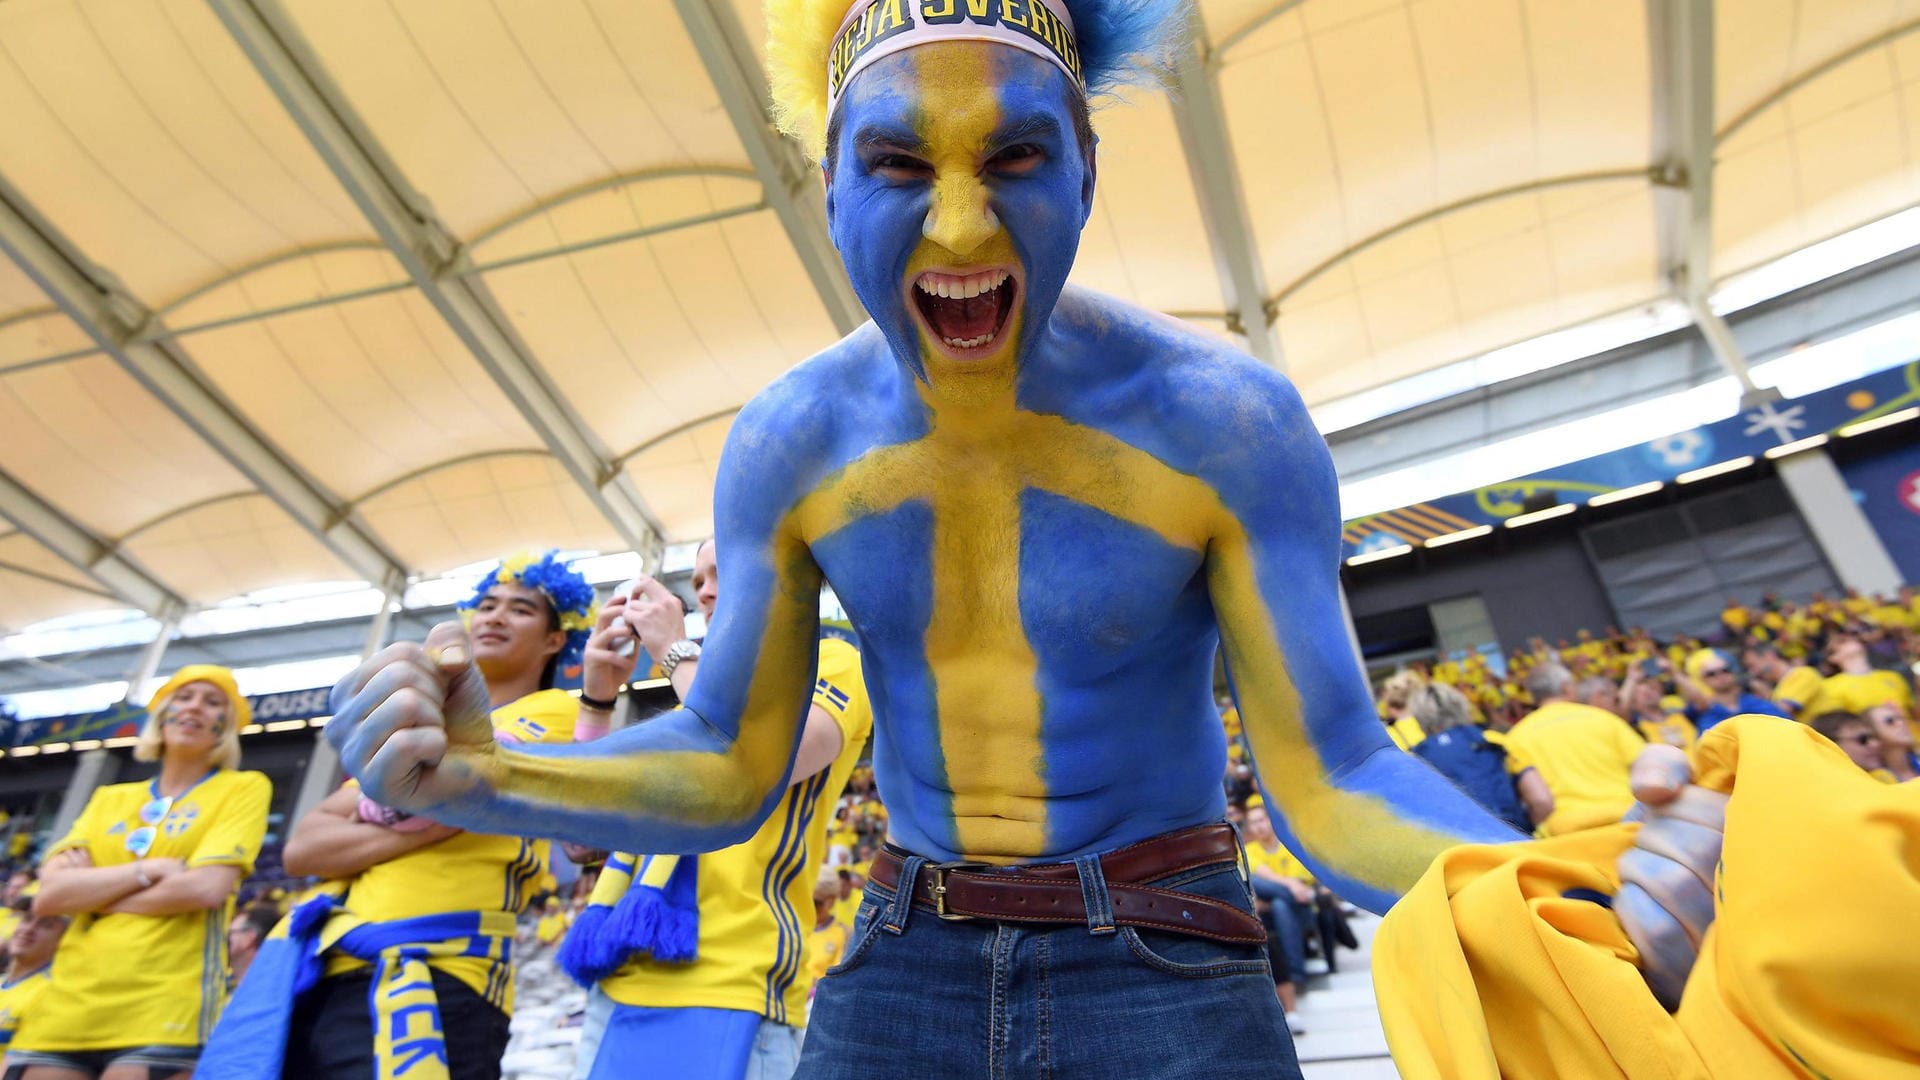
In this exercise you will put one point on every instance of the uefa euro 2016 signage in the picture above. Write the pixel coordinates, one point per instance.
(124, 721)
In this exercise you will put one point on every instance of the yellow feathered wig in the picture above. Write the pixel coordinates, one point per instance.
(1122, 42)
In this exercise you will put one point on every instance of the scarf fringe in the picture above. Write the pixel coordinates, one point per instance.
(643, 924)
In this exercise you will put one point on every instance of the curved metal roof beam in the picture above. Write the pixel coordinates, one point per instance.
(28, 315)
(1217, 53)
(427, 470)
(621, 461)
(1438, 212)
(180, 512)
(48, 579)
(1787, 89)
(267, 263)
(671, 172)
(469, 268)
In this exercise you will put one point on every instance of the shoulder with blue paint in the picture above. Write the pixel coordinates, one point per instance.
(820, 415)
(1198, 403)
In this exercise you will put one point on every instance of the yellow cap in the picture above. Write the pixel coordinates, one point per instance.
(1697, 660)
(207, 673)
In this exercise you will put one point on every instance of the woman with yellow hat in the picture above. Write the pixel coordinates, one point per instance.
(148, 874)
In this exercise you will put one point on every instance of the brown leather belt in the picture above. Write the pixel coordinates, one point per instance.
(1050, 892)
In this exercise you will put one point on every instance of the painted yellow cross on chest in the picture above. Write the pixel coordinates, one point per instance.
(971, 470)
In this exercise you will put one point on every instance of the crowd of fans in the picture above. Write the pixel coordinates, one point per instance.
(1575, 713)
(1543, 738)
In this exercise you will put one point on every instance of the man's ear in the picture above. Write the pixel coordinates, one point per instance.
(826, 181)
(1087, 181)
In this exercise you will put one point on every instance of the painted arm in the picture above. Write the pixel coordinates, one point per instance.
(332, 842)
(412, 723)
(202, 888)
(1366, 818)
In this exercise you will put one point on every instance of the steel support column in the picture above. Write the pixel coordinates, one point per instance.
(1215, 173)
(788, 182)
(149, 663)
(323, 763)
(1855, 551)
(1680, 40)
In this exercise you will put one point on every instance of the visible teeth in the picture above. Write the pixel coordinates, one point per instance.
(968, 343)
(961, 287)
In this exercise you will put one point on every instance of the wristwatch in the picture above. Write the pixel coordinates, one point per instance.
(684, 649)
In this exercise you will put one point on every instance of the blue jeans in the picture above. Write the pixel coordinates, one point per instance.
(684, 1043)
(1289, 920)
(920, 996)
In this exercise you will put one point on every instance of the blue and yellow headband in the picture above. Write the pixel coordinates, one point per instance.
(564, 588)
(877, 28)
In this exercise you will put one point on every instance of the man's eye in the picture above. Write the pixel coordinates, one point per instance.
(1018, 158)
(898, 163)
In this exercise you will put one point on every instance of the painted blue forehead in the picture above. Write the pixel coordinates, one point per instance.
(891, 91)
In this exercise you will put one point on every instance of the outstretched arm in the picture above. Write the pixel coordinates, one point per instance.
(1365, 817)
(412, 724)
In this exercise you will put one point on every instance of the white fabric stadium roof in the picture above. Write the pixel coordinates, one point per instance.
(308, 290)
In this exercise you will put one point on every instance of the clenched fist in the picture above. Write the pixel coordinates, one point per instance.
(413, 723)
(1665, 901)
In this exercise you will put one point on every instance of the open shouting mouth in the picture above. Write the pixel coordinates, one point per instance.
(967, 314)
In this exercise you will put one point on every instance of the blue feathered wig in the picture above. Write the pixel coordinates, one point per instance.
(568, 595)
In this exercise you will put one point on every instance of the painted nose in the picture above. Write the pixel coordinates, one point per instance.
(961, 218)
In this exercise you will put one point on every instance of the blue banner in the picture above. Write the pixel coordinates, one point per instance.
(1887, 486)
(1750, 432)
(124, 721)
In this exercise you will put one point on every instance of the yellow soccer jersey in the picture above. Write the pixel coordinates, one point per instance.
(1858, 693)
(1279, 860)
(468, 871)
(1797, 689)
(756, 898)
(848, 906)
(1673, 729)
(1584, 754)
(150, 980)
(17, 999)
(1406, 733)
(1489, 966)
(826, 947)
(1891, 617)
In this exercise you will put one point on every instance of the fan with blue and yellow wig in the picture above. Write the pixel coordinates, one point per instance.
(566, 591)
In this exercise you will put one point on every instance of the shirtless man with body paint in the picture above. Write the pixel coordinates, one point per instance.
(1044, 511)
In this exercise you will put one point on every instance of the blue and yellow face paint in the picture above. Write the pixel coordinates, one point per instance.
(957, 196)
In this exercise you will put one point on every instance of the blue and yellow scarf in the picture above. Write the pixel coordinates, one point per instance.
(643, 905)
(409, 1039)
